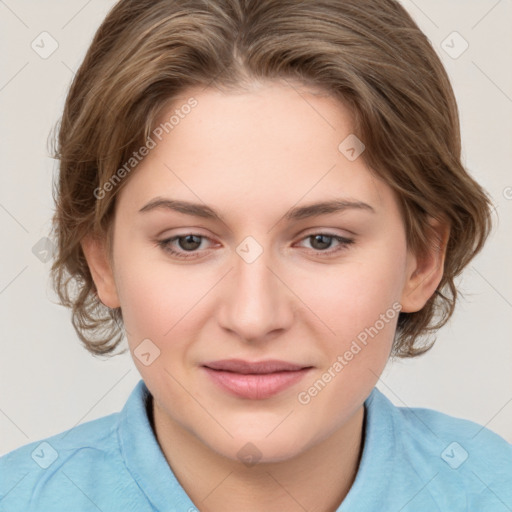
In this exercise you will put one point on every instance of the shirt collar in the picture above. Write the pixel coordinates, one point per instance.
(144, 458)
(147, 465)
(378, 457)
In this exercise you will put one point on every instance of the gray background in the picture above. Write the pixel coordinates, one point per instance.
(49, 383)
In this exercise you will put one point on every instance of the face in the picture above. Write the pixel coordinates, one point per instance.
(258, 274)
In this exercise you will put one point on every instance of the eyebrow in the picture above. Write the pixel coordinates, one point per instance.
(296, 213)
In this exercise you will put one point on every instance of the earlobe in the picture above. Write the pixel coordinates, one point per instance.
(425, 271)
(102, 273)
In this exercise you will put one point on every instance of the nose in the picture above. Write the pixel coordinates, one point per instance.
(256, 303)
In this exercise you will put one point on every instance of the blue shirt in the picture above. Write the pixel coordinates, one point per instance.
(414, 460)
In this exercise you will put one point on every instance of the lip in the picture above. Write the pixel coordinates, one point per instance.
(254, 380)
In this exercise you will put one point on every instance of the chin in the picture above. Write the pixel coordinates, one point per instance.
(251, 450)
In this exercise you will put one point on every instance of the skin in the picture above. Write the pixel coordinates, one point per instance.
(252, 156)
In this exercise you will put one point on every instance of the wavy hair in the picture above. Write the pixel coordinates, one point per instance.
(368, 53)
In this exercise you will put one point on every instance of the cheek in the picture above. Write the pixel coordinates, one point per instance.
(358, 305)
(161, 300)
(361, 305)
(351, 296)
(155, 298)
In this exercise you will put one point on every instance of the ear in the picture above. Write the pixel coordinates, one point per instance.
(425, 271)
(102, 273)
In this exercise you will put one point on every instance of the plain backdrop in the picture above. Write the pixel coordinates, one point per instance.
(49, 382)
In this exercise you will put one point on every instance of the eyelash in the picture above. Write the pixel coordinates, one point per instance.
(165, 245)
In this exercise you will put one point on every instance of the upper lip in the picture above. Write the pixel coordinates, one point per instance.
(245, 367)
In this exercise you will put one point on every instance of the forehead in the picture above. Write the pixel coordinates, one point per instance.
(272, 144)
(283, 117)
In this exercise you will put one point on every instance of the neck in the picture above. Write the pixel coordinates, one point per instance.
(316, 480)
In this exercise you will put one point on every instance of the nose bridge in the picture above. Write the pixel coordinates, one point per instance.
(256, 303)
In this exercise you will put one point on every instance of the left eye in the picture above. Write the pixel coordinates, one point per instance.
(188, 245)
(324, 240)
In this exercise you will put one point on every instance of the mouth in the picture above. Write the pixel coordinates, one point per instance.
(255, 380)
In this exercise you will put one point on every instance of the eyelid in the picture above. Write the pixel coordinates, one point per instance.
(343, 244)
(304, 234)
(345, 233)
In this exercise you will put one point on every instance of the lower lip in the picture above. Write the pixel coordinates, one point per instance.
(255, 386)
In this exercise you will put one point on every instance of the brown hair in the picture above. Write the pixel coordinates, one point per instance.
(368, 53)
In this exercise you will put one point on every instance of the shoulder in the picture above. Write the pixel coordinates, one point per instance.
(92, 435)
(461, 439)
(459, 460)
(93, 466)
(35, 471)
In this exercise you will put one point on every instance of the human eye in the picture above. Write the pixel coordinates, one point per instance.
(321, 243)
(189, 245)
(186, 247)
